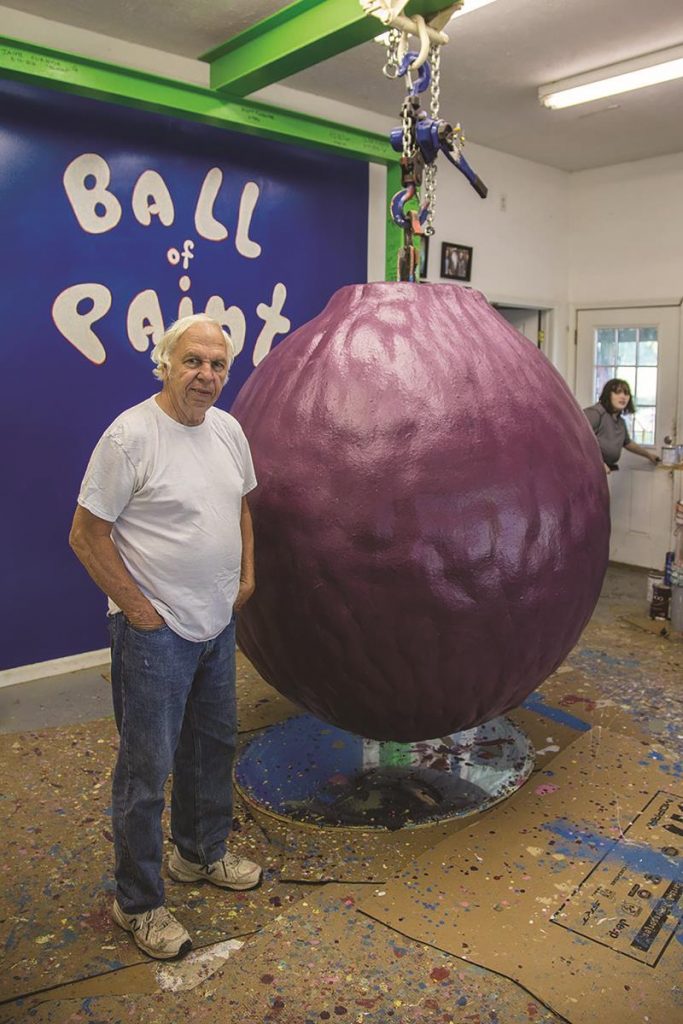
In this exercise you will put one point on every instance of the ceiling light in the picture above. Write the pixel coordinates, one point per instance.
(469, 6)
(663, 66)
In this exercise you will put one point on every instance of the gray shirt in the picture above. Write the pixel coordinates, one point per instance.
(610, 430)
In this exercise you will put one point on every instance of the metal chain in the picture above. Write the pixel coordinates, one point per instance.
(430, 196)
(390, 69)
(409, 146)
(435, 61)
(396, 45)
(430, 169)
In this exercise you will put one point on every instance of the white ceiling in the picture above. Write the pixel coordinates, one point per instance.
(491, 70)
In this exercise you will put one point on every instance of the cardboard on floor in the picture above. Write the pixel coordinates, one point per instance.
(572, 888)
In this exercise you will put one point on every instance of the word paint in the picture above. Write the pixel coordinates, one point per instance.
(98, 210)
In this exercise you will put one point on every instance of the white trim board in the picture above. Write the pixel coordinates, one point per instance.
(55, 667)
(626, 304)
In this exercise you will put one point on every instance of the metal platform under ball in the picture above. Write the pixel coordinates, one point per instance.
(307, 771)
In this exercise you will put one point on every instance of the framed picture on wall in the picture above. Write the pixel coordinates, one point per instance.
(456, 261)
(424, 256)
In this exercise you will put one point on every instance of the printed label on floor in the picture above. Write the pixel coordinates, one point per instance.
(632, 900)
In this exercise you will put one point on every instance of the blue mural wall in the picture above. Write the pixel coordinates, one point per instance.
(114, 222)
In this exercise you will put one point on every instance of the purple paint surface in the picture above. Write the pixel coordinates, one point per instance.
(432, 516)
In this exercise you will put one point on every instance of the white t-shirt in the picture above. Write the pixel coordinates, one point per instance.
(174, 494)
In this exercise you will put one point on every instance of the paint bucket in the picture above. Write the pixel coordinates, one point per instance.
(654, 579)
(661, 601)
(677, 608)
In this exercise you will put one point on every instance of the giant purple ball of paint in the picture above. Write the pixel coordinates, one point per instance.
(432, 515)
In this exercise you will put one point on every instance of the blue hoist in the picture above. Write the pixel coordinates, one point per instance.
(420, 137)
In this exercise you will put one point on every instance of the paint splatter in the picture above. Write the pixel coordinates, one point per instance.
(545, 789)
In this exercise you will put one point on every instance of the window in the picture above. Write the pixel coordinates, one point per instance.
(630, 353)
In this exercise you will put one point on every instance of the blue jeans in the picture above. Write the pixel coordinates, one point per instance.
(175, 709)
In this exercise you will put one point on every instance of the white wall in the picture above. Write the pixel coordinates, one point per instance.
(519, 232)
(626, 240)
(519, 235)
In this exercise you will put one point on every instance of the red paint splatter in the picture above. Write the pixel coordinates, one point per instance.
(573, 698)
(440, 974)
(267, 979)
(99, 918)
(532, 1009)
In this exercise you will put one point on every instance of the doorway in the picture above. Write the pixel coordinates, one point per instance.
(529, 321)
(640, 345)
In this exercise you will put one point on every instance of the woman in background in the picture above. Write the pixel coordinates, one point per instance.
(606, 419)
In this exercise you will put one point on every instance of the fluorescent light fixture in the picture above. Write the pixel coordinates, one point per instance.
(469, 6)
(663, 66)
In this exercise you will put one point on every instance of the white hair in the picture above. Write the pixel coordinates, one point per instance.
(163, 348)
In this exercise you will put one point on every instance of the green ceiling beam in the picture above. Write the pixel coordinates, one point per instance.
(39, 65)
(296, 37)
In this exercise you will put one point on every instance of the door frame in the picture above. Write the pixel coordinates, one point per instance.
(555, 325)
(634, 304)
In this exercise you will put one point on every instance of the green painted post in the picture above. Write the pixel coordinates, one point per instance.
(394, 235)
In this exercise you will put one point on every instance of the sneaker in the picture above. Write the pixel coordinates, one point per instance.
(156, 932)
(230, 872)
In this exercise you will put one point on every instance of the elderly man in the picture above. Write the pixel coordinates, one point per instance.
(163, 528)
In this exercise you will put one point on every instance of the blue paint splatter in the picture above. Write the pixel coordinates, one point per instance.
(536, 703)
(642, 859)
(590, 654)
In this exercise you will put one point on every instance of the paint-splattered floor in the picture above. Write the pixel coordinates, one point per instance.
(298, 951)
